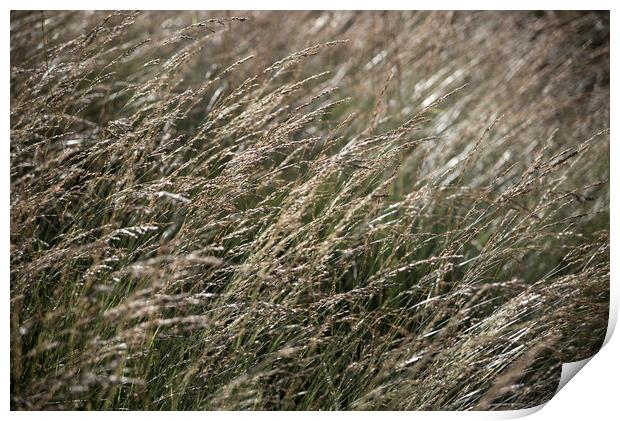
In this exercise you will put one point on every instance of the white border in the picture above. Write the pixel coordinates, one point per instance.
(313, 5)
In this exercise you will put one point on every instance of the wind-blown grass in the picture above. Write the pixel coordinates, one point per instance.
(306, 210)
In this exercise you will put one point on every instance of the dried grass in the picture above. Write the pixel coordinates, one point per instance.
(206, 213)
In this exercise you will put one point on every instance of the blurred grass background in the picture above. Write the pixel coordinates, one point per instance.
(306, 210)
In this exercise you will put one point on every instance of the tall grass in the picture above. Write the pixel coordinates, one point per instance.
(306, 210)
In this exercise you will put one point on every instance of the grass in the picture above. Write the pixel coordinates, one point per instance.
(306, 210)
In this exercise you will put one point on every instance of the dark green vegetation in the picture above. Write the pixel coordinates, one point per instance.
(201, 220)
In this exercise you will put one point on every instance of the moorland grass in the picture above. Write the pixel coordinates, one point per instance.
(306, 210)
